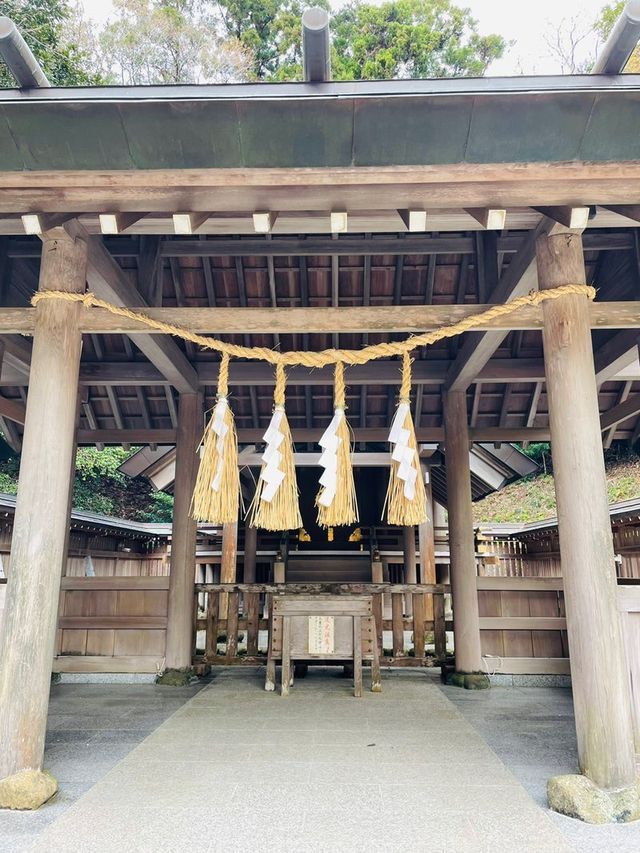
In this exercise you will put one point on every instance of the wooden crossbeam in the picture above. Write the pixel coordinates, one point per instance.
(255, 374)
(622, 412)
(304, 435)
(519, 277)
(618, 352)
(108, 280)
(354, 320)
(427, 244)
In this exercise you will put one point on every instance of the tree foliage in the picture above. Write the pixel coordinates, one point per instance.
(219, 41)
(409, 39)
(43, 23)
(169, 41)
(606, 22)
(100, 487)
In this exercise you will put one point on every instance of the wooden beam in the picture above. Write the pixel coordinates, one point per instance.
(631, 211)
(118, 223)
(461, 537)
(41, 522)
(107, 279)
(492, 219)
(519, 277)
(614, 355)
(283, 246)
(611, 432)
(600, 676)
(622, 412)
(304, 434)
(180, 610)
(188, 223)
(575, 218)
(352, 320)
(414, 220)
(12, 409)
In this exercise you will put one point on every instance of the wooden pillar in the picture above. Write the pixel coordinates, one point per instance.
(426, 545)
(466, 623)
(598, 673)
(250, 549)
(229, 562)
(410, 573)
(42, 511)
(183, 535)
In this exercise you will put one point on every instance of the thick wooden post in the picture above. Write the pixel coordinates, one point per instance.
(250, 548)
(228, 565)
(466, 623)
(599, 678)
(183, 535)
(42, 512)
(427, 548)
(410, 571)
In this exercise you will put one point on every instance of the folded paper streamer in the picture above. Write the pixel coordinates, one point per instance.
(275, 503)
(336, 500)
(217, 491)
(406, 501)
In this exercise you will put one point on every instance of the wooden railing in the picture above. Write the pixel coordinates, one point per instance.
(233, 620)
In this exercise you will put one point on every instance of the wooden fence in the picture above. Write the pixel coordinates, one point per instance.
(629, 608)
(227, 612)
(112, 624)
(523, 625)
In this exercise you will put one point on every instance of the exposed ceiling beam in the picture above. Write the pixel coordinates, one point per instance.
(304, 435)
(614, 355)
(426, 244)
(622, 412)
(108, 280)
(520, 277)
(611, 432)
(248, 373)
(353, 320)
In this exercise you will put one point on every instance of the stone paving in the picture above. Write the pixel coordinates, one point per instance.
(238, 769)
(532, 730)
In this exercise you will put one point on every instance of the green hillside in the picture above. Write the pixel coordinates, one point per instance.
(533, 498)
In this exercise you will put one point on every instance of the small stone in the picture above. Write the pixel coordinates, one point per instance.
(577, 796)
(28, 789)
(176, 677)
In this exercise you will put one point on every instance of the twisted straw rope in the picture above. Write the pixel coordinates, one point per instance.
(328, 356)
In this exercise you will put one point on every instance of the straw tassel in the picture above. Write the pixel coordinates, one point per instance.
(406, 501)
(275, 503)
(217, 491)
(336, 500)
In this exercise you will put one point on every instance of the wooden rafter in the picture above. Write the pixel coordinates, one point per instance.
(108, 280)
(519, 277)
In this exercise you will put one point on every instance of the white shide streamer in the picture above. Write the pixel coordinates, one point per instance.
(271, 458)
(330, 442)
(404, 455)
(221, 429)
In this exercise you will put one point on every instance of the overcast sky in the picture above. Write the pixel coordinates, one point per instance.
(523, 23)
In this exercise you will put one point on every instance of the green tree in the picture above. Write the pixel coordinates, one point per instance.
(169, 41)
(605, 23)
(43, 23)
(399, 39)
(271, 30)
(410, 39)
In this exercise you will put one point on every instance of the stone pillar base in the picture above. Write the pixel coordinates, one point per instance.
(27, 790)
(579, 797)
(176, 677)
(468, 680)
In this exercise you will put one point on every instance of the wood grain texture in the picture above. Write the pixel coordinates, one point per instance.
(183, 548)
(599, 677)
(28, 630)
